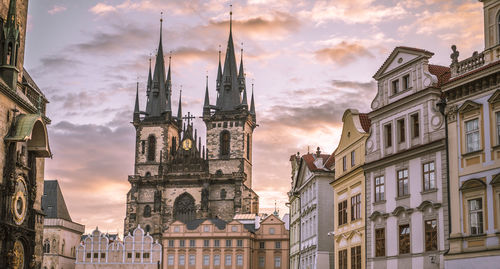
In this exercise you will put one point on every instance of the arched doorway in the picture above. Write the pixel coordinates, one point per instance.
(184, 208)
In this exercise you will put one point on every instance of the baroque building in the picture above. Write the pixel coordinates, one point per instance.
(311, 211)
(473, 115)
(175, 178)
(405, 165)
(24, 146)
(349, 191)
(61, 235)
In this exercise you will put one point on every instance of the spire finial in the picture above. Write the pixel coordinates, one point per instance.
(230, 17)
(161, 22)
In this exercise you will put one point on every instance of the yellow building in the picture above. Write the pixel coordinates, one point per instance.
(349, 188)
(473, 114)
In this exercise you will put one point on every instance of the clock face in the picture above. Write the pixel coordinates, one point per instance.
(187, 144)
(19, 206)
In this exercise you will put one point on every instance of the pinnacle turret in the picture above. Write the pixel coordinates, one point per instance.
(179, 110)
(136, 117)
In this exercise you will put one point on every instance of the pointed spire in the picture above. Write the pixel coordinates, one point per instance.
(206, 103)
(241, 74)
(169, 85)
(252, 104)
(136, 107)
(244, 103)
(219, 72)
(179, 109)
(158, 98)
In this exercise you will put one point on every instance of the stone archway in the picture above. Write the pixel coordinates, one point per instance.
(184, 208)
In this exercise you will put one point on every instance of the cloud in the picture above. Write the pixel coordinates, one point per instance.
(101, 9)
(174, 6)
(353, 12)
(343, 53)
(364, 86)
(56, 9)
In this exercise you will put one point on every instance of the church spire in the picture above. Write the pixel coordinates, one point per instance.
(230, 97)
(136, 107)
(219, 72)
(169, 85)
(206, 103)
(241, 80)
(158, 96)
(179, 110)
(148, 88)
(252, 106)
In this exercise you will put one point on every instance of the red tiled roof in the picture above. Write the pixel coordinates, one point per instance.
(473, 71)
(365, 121)
(443, 73)
(309, 159)
(330, 162)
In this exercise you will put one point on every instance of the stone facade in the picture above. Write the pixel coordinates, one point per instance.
(473, 115)
(138, 250)
(175, 177)
(25, 144)
(311, 211)
(406, 201)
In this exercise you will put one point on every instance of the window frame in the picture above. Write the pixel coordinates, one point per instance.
(379, 195)
(151, 157)
(404, 240)
(406, 82)
(353, 158)
(342, 258)
(468, 149)
(401, 125)
(344, 163)
(387, 135)
(403, 180)
(470, 212)
(431, 235)
(380, 242)
(395, 87)
(356, 207)
(415, 125)
(225, 146)
(356, 257)
(426, 182)
(342, 212)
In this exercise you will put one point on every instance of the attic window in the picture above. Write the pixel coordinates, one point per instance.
(395, 86)
(406, 82)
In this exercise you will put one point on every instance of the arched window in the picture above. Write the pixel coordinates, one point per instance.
(184, 208)
(46, 246)
(148, 174)
(174, 145)
(248, 146)
(148, 228)
(147, 211)
(9, 54)
(225, 142)
(62, 246)
(54, 246)
(151, 148)
(223, 194)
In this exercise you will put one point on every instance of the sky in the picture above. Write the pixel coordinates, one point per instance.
(309, 62)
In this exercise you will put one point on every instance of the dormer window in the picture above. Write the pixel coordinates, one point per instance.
(395, 86)
(406, 82)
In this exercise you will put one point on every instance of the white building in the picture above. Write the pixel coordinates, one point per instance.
(405, 166)
(311, 211)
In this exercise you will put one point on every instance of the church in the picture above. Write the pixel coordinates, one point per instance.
(175, 178)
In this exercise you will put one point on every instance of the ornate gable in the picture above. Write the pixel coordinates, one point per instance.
(469, 106)
(495, 98)
(401, 56)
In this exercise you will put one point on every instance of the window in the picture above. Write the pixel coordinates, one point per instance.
(403, 182)
(271, 231)
(353, 158)
(356, 207)
(228, 243)
(182, 243)
(406, 82)
(129, 255)
(472, 135)
(343, 259)
(192, 243)
(151, 148)
(234, 228)
(395, 86)
(380, 242)
(176, 229)
(262, 261)
(192, 259)
(388, 135)
(228, 259)
(401, 130)
(143, 146)
(46, 246)
(223, 194)
(174, 145)
(476, 216)
(277, 262)
(225, 143)
(356, 257)
(261, 245)
(342, 212)
(429, 176)
(404, 239)
(239, 243)
(379, 188)
(216, 243)
(171, 243)
(170, 259)
(182, 259)
(344, 163)
(206, 260)
(498, 127)
(239, 259)
(145, 255)
(137, 255)
(103, 255)
(147, 211)
(415, 126)
(148, 228)
(430, 235)
(88, 255)
(206, 243)
(206, 228)
(217, 259)
(277, 244)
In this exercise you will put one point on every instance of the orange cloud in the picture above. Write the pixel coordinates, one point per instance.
(343, 53)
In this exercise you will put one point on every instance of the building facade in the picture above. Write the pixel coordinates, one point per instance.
(138, 250)
(406, 202)
(349, 191)
(175, 178)
(238, 244)
(61, 236)
(311, 211)
(473, 111)
(24, 146)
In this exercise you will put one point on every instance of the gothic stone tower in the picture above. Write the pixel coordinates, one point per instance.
(174, 177)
